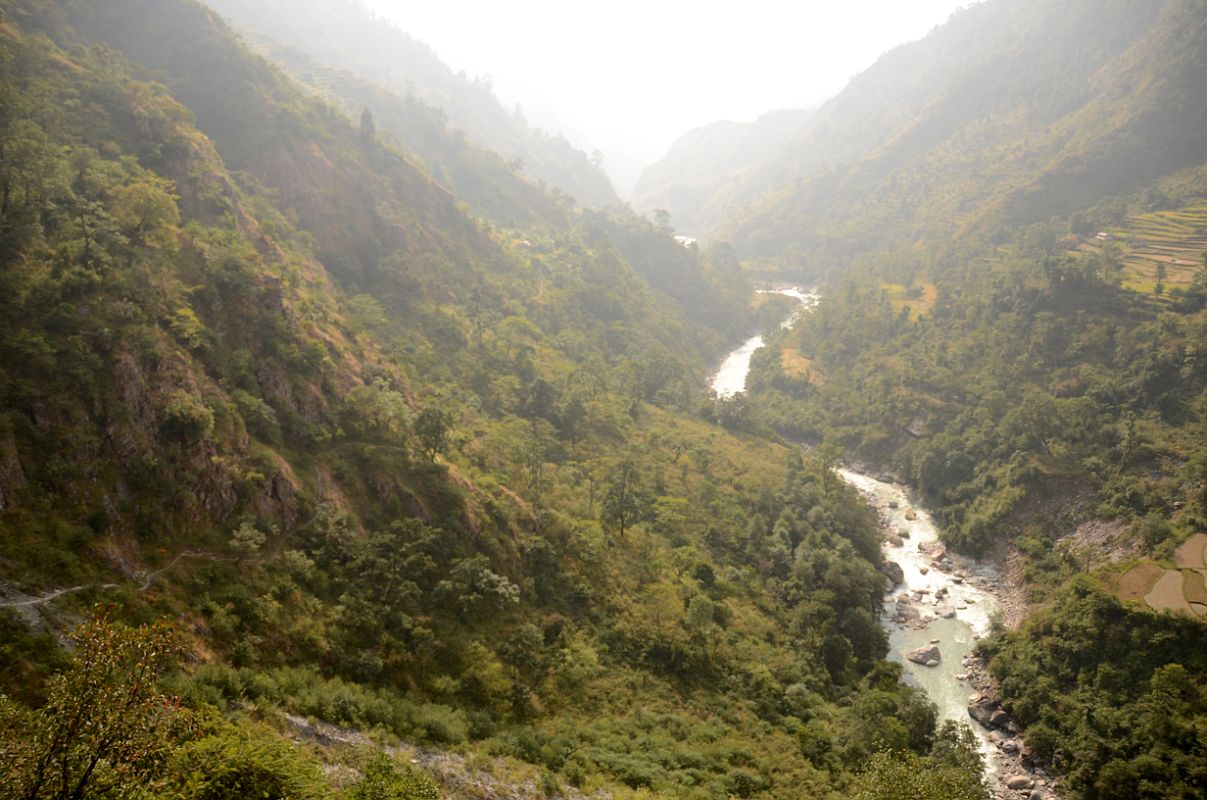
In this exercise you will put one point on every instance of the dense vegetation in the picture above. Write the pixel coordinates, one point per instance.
(1007, 115)
(386, 464)
(336, 45)
(715, 169)
(1020, 370)
(1110, 696)
(1025, 360)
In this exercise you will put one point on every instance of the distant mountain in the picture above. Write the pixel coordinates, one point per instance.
(710, 169)
(1010, 113)
(343, 35)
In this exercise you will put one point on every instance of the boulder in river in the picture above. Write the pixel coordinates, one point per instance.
(910, 514)
(892, 570)
(1019, 782)
(928, 655)
(981, 709)
(906, 612)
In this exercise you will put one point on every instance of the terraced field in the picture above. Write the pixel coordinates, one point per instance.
(1182, 589)
(1176, 239)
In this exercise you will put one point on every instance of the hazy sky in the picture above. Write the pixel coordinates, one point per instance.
(628, 77)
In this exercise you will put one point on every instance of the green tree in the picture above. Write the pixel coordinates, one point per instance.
(432, 427)
(104, 723)
(146, 212)
(368, 130)
(625, 501)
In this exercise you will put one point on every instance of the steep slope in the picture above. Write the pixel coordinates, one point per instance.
(1010, 213)
(382, 466)
(1011, 113)
(711, 170)
(341, 34)
(482, 178)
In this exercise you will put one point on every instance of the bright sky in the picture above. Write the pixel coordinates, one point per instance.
(628, 77)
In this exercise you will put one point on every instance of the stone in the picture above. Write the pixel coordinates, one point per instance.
(999, 719)
(951, 614)
(892, 504)
(981, 709)
(910, 514)
(924, 570)
(892, 570)
(924, 655)
(1010, 746)
(963, 676)
(957, 578)
(1037, 794)
(1019, 782)
(1027, 756)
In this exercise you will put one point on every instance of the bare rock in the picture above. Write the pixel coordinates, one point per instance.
(981, 709)
(892, 570)
(928, 655)
(1019, 782)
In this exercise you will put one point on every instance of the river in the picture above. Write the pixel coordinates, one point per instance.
(730, 377)
(942, 599)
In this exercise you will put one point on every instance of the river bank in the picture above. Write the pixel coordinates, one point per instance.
(939, 605)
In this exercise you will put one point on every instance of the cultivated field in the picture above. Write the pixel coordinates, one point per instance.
(1181, 589)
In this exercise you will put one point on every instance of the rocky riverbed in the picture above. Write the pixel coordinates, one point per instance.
(938, 605)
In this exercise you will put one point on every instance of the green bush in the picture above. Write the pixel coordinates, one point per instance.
(385, 780)
(186, 416)
(241, 763)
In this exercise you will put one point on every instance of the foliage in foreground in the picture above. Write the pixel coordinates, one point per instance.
(1111, 696)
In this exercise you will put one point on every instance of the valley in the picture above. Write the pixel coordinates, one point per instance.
(358, 441)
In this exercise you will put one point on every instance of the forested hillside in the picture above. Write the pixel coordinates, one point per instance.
(341, 40)
(1009, 114)
(328, 449)
(1013, 325)
(714, 170)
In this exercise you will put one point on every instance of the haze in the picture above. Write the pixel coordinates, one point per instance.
(630, 77)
